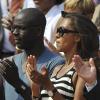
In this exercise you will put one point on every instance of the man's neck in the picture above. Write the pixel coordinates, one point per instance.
(36, 52)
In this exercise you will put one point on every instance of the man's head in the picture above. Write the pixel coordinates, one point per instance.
(85, 7)
(28, 28)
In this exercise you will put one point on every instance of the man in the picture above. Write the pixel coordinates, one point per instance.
(7, 47)
(6, 40)
(88, 72)
(52, 10)
(28, 29)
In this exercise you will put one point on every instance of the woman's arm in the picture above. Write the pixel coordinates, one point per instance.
(79, 89)
(52, 90)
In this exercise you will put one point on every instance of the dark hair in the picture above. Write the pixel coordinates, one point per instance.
(89, 43)
(32, 17)
(59, 1)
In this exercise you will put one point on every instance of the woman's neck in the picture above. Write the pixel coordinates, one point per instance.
(69, 56)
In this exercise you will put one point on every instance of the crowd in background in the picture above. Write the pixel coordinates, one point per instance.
(49, 49)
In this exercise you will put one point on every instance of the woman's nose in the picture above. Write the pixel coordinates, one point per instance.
(57, 35)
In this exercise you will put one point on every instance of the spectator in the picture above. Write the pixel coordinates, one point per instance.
(85, 7)
(76, 34)
(51, 9)
(8, 49)
(28, 29)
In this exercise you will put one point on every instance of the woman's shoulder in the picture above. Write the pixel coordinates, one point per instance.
(56, 69)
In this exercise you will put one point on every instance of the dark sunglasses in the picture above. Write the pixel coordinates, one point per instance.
(61, 31)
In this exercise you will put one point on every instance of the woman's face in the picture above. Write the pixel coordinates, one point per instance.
(68, 41)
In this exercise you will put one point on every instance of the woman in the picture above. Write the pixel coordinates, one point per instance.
(85, 7)
(76, 34)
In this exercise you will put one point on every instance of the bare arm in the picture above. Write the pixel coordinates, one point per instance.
(79, 89)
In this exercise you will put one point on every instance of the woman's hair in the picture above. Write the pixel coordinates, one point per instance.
(85, 6)
(88, 45)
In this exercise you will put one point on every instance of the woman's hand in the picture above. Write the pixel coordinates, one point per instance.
(86, 70)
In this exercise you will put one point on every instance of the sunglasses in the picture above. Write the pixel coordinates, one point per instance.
(61, 31)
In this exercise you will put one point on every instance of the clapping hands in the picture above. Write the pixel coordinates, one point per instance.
(86, 70)
(33, 74)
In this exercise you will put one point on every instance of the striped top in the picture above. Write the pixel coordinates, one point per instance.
(64, 86)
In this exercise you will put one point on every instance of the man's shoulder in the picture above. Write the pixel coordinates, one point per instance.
(54, 62)
(14, 57)
(57, 60)
(50, 53)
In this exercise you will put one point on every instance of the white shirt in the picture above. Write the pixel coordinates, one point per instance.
(89, 88)
(52, 17)
(8, 47)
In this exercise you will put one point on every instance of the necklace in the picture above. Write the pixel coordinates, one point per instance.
(59, 70)
(68, 67)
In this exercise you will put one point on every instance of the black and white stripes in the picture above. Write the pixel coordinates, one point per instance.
(64, 86)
